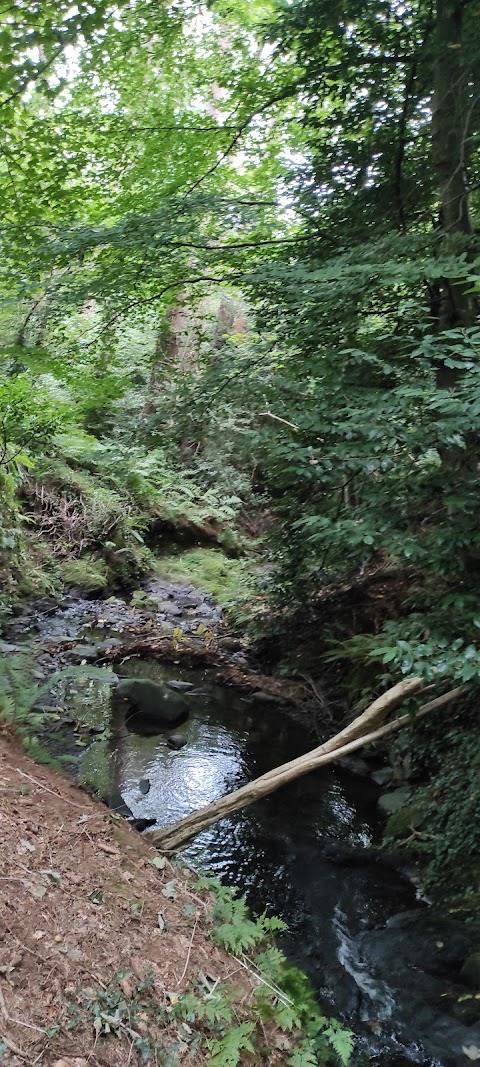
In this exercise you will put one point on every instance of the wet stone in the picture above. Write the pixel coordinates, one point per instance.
(88, 652)
(383, 776)
(355, 764)
(176, 741)
(112, 642)
(392, 802)
(169, 608)
(470, 971)
(142, 824)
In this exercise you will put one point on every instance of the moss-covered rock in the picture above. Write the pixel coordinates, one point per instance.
(402, 822)
(86, 573)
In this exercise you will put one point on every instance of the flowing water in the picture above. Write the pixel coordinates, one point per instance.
(304, 853)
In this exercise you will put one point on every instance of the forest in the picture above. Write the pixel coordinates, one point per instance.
(240, 341)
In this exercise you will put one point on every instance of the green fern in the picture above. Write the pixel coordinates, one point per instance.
(305, 1055)
(227, 1050)
(19, 692)
(209, 1007)
(283, 995)
(341, 1040)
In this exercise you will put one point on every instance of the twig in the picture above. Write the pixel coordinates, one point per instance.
(270, 415)
(187, 961)
(47, 790)
(17, 1022)
(256, 974)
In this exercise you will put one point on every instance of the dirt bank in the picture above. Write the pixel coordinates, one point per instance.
(98, 945)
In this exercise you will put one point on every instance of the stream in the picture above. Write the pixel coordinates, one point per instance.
(377, 954)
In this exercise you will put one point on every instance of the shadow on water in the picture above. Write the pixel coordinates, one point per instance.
(302, 853)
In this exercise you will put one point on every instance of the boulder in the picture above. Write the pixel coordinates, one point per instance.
(152, 707)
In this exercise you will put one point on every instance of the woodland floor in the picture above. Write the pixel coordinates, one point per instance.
(94, 938)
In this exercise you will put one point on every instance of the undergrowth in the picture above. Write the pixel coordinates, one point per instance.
(283, 995)
(282, 1025)
(99, 505)
(21, 692)
(440, 822)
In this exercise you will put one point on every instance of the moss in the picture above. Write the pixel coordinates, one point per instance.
(88, 573)
(39, 574)
(402, 822)
(141, 599)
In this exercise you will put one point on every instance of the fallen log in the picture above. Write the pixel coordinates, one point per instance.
(358, 733)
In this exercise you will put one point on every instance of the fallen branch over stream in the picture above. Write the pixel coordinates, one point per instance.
(362, 731)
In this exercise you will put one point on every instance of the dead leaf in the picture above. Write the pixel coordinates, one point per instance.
(37, 891)
(138, 968)
(126, 987)
(96, 897)
(159, 862)
(283, 1043)
(25, 846)
(37, 936)
(70, 950)
(169, 890)
(54, 876)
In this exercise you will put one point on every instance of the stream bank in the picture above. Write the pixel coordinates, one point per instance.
(377, 954)
(111, 956)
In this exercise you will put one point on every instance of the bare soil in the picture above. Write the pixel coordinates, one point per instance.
(97, 945)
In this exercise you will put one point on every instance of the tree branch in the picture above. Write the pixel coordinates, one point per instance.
(284, 95)
(362, 731)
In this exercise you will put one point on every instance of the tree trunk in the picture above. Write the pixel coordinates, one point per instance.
(453, 109)
(358, 733)
(165, 357)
